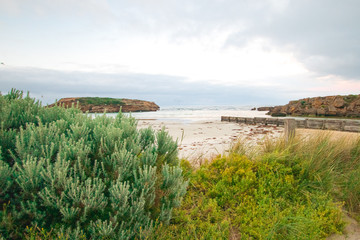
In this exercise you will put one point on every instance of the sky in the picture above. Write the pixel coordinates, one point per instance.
(181, 52)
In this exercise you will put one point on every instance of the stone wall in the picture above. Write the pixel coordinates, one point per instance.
(325, 124)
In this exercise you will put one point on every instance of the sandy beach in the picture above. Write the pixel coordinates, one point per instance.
(200, 140)
(205, 139)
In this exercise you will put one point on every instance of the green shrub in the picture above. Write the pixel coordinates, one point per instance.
(303, 104)
(237, 198)
(17, 111)
(77, 177)
(350, 98)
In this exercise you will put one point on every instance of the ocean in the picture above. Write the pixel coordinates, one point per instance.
(195, 114)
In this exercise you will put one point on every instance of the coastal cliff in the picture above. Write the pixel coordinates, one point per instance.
(339, 106)
(110, 105)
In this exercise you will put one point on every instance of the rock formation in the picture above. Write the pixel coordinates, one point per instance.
(265, 108)
(340, 106)
(110, 105)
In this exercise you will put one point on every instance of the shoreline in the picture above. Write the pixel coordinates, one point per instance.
(200, 140)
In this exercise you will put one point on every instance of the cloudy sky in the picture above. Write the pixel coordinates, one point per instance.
(181, 52)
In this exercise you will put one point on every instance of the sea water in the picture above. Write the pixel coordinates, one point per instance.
(195, 113)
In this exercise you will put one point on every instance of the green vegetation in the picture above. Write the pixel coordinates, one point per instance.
(293, 191)
(100, 101)
(303, 103)
(66, 175)
(278, 114)
(350, 98)
(326, 165)
(282, 191)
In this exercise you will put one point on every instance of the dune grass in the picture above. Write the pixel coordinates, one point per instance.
(328, 165)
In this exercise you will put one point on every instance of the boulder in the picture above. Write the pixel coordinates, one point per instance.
(339, 102)
(320, 112)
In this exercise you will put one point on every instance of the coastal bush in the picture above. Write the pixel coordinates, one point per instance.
(66, 175)
(295, 190)
(17, 110)
(234, 197)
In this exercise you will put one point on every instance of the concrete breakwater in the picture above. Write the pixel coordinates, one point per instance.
(325, 124)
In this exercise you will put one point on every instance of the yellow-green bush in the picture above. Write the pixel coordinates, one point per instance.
(234, 197)
(296, 190)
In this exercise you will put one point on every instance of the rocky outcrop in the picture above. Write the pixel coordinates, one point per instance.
(110, 105)
(265, 108)
(340, 106)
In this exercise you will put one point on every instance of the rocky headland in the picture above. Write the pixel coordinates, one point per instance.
(110, 105)
(336, 106)
(265, 108)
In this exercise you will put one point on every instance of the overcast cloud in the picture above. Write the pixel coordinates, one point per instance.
(205, 52)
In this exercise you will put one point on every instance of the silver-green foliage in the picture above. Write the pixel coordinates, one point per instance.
(78, 177)
(6, 173)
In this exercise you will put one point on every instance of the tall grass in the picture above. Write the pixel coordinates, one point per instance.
(325, 163)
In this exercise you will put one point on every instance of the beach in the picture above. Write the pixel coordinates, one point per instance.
(200, 140)
(202, 135)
